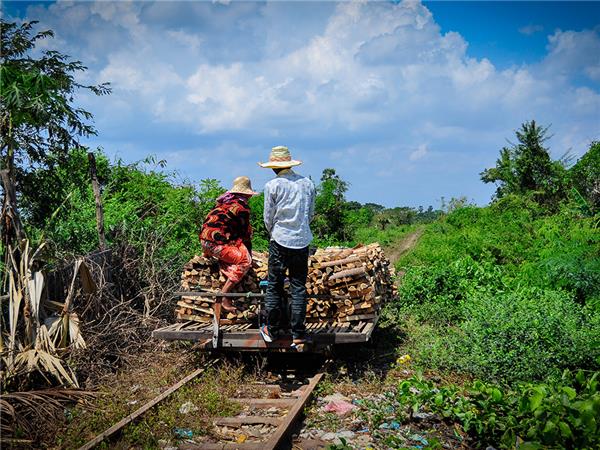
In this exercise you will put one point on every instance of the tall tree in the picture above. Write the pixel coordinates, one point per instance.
(330, 206)
(39, 122)
(585, 176)
(527, 167)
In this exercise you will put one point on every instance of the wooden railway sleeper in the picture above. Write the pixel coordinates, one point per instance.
(283, 424)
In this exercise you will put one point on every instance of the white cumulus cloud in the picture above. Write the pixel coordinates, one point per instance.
(376, 77)
(419, 153)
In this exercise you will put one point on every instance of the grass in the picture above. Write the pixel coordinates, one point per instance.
(146, 377)
(387, 237)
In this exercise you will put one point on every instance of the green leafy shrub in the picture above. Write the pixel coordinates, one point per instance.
(527, 335)
(506, 291)
(585, 176)
(437, 293)
(142, 202)
(558, 414)
(260, 239)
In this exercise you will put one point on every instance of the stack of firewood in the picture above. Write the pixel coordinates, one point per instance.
(343, 285)
(351, 283)
(203, 273)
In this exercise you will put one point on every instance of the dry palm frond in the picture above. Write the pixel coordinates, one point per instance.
(64, 329)
(20, 410)
(35, 287)
(24, 288)
(87, 282)
(76, 339)
(35, 349)
(15, 297)
(41, 359)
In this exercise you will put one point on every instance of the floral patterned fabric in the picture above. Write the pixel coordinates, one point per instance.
(228, 221)
(234, 259)
(227, 235)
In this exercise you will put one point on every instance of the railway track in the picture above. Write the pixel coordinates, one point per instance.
(267, 417)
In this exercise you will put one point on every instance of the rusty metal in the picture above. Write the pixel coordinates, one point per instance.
(283, 424)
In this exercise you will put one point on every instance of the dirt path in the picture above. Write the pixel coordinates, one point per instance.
(398, 249)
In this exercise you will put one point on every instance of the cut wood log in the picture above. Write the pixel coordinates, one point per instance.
(343, 284)
(348, 273)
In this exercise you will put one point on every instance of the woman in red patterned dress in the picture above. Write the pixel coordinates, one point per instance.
(227, 235)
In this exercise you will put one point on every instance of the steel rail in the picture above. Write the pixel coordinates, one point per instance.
(138, 412)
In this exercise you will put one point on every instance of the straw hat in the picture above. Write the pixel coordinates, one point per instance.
(241, 185)
(280, 158)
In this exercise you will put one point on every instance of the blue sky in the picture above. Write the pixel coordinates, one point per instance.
(408, 101)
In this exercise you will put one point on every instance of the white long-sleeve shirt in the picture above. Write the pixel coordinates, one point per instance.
(289, 208)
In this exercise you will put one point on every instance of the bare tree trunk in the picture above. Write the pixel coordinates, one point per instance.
(10, 221)
(12, 228)
(99, 209)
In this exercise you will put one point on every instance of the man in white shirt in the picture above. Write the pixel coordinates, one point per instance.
(289, 208)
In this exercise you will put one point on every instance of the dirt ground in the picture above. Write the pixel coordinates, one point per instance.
(395, 251)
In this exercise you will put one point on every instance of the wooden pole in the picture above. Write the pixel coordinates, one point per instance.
(99, 209)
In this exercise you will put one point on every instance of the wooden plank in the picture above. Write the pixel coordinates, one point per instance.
(367, 329)
(369, 332)
(360, 317)
(237, 422)
(265, 402)
(361, 326)
(269, 387)
(138, 412)
(281, 432)
(350, 338)
(251, 339)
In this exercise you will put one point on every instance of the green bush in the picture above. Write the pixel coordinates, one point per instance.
(142, 204)
(505, 291)
(558, 414)
(529, 334)
(437, 293)
(260, 239)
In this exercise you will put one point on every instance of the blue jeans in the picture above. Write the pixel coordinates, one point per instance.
(296, 262)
